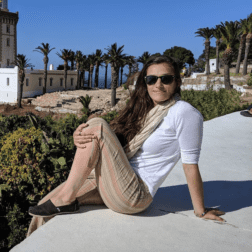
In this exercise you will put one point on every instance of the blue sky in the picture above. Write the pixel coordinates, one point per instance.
(139, 25)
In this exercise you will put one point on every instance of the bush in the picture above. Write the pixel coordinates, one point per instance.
(249, 83)
(125, 86)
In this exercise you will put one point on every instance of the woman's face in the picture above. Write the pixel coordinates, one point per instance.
(160, 92)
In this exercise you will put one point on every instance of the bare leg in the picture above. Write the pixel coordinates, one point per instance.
(84, 162)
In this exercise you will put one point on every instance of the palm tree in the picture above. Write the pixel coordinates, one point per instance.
(229, 32)
(83, 67)
(65, 55)
(130, 62)
(22, 63)
(72, 59)
(98, 62)
(217, 35)
(45, 50)
(242, 33)
(78, 58)
(144, 58)
(248, 40)
(91, 60)
(122, 65)
(106, 61)
(115, 59)
(207, 34)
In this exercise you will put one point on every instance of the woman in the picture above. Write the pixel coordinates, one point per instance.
(155, 128)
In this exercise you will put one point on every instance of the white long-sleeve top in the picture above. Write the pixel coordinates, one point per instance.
(178, 135)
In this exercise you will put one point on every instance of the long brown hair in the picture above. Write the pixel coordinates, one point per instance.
(129, 121)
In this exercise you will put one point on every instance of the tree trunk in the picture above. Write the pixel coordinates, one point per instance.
(91, 75)
(117, 85)
(114, 78)
(72, 65)
(78, 76)
(121, 75)
(227, 77)
(45, 74)
(65, 74)
(106, 74)
(129, 70)
(97, 75)
(245, 61)
(217, 59)
(242, 43)
(20, 95)
(207, 52)
(21, 77)
(83, 78)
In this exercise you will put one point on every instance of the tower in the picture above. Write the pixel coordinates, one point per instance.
(8, 35)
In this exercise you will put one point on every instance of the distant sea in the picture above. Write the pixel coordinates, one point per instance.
(101, 82)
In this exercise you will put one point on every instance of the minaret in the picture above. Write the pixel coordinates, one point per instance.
(8, 35)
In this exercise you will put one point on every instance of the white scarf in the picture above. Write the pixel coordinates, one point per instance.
(153, 119)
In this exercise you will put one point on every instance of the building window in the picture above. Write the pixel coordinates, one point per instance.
(8, 81)
(40, 82)
(8, 42)
(61, 82)
(72, 80)
(7, 28)
(8, 62)
(51, 81)
(27, 82)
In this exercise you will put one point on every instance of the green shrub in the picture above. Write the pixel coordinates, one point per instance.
(249, 83)
(85, 102)
(125, 86)
(110, 116)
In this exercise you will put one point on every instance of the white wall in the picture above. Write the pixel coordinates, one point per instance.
(9, 92)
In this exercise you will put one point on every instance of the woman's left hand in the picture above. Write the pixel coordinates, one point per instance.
(214, 214)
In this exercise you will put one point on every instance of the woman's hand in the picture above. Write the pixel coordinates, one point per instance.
(213, 214)
(80, 140)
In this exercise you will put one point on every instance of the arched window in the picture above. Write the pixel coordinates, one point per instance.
(7, 28)
(51, 81)
(8, 42)
(27, 82)
(40, 81)
(72, 80)
(8, 81)
(61, 82)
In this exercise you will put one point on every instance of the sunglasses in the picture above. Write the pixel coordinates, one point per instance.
(165, 79)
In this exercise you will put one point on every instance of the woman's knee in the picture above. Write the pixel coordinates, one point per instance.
(96, 120)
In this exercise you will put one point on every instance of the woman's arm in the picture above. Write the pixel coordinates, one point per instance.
(195, 186)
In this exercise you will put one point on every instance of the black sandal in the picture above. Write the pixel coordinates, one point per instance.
(48, 209)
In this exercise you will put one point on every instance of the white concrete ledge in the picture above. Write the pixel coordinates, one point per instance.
(169, 223)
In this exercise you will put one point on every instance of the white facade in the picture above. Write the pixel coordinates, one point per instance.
(8, 85)
(212, 64)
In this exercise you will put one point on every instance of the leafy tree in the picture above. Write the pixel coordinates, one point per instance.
(22, 62)
(181, 54)
(98, 63)
(207, 34)
(144, 58)
(84, 66)
(45, 50)
(91, 61)
(78, 58)
(65, 55)
(72, 59)
(61, 67)
(229, 32)
(248, 41)
(217, 35)
(106, 61)
(130, 62)
(115, 58)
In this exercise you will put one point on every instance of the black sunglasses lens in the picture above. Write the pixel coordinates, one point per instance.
(167, 79)
(151, 79)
